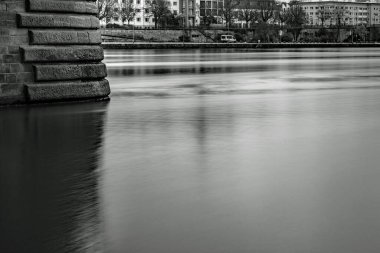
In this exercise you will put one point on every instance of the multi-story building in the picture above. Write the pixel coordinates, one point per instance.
(211, 8)
(190, 9)
(144, 17)
(345, 12)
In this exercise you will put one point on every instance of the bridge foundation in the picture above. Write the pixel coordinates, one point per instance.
(50, 51)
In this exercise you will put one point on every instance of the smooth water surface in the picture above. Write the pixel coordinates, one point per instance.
(211, 151)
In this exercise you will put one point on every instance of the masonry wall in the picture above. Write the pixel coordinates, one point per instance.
(50, 51)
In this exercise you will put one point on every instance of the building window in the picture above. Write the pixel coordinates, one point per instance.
(138, 19)
(175, 3)
(146, 19)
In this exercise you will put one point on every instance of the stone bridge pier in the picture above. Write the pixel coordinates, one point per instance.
(50, 51)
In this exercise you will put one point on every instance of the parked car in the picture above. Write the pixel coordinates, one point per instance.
(227, 39)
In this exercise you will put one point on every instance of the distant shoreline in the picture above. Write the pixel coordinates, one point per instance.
(189, 45)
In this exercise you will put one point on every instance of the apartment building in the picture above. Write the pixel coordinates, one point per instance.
(144, 18)
(190, 8)
(211, 8)
(347, 12)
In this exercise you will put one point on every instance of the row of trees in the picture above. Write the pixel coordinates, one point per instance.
(250, 11)
(278, 12)
(158, 9)
(265, 12)
(258, 12)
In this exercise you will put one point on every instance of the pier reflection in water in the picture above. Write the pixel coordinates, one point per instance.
(49, 178)
(199, 151)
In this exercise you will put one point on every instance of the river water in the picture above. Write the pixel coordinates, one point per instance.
(206, 151)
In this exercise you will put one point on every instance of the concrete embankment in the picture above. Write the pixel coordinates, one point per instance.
(120, 45)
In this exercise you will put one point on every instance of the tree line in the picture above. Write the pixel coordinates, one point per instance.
(250, 11)
(159, 10)
(261, 14)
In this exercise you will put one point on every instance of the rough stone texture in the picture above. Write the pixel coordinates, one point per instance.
(51, 37)
(67, 91)
(62, 54)
(69, 71)
(57, 45)
(13, 72)
(62, 6)
(11, 93)
(58, 21)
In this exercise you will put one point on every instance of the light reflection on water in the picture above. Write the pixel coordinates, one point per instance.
(161, 168)
(188, 72)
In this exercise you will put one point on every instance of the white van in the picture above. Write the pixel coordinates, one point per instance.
(227, 39)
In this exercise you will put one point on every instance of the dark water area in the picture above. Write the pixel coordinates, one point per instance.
(201, 151)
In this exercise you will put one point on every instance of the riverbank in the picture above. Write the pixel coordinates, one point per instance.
(174, 45)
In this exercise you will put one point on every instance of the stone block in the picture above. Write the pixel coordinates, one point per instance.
(48, 37)
(10, 78)
(4, 15)
(69, 71)
(19, 40)
(13, 49)
(18, 32)
(11, 24)
(26, 68)
(11, 93)
(62, 6)
(62, 54)
(11, 58)
(42, 92)
(4, 68)
(16, 6)
(4, 32)
(5, 40)
(3, 49)
(25, 77)
(58, 21)
(14, 67)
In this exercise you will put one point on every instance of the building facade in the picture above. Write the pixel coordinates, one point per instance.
(144, 18)
(211, 8)
(344, 12)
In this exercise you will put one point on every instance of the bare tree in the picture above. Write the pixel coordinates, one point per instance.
(296, 18)
(266, 9)
(323, 15)
(159, 9)
(339, 15)
(248, 12)
(106, 9)
(127, 11)
(281, 13)
(228, 10)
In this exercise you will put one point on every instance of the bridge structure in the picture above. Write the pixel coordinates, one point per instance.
(50, 51)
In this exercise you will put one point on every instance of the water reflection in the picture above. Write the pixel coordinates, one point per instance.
(257, 167)
(49, 178)
(218, 71)
(286, 172)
